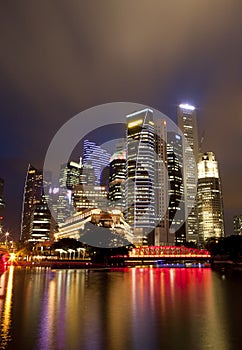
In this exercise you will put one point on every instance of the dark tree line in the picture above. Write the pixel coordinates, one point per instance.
(228, 247)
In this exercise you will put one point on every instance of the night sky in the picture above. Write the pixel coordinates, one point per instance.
(59, 58)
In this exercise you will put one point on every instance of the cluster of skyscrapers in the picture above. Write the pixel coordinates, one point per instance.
(164, 189)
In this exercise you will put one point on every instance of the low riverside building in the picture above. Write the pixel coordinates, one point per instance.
(97, 227)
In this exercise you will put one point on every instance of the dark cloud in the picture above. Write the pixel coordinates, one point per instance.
(61, 57)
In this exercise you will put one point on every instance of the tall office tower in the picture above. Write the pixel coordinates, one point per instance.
(42, 222)
(176, 187)
(161, 185)
(69, 177)
(32, 195)
(2, 205)
(117, 180)
(89, 197)
(238, 225)
(97, 157)
(139, 187)
(87, 176)
(209, 198)
(187, 122)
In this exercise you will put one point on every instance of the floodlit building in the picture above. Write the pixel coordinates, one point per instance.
(140, 174)
(187, 123)
(89, 197)
(97, 157)
(176, 206)
(209, 198)
(117, 180)
(238, 225)
(161, 234)
(35, 213)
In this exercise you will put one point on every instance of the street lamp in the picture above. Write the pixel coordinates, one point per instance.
(71, 251)
(83, 252)
(6, 238)
(60, 251)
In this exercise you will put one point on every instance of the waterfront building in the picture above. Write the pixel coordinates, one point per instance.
(209, 198)
(97, 227)
(42, 223)
(176, 206)
(140, 177)
(238, 224)
(32, 194)
(34, 208)
(97, 157)
(187, 123)
(162, 234)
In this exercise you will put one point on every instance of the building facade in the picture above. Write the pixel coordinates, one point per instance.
(209, 198)
(117, 180)
(162, 234)
(187, 122)
(238, 225)
(35, 213)
(96, 156)
(140, 174)
(176, 206)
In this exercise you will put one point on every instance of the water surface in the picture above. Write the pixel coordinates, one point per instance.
(121, 309)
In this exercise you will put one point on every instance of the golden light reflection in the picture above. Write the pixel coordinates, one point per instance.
(6, 317)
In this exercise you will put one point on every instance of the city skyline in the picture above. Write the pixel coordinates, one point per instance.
(63, 62)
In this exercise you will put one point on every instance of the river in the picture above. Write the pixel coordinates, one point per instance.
(120, 309)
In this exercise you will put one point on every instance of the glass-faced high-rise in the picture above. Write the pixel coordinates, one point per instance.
(187, 123)
(139, 189)
(209, 198)
(161, 184)
(176, 187)
(36, 218)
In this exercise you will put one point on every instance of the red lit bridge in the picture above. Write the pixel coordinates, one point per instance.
(146, 255)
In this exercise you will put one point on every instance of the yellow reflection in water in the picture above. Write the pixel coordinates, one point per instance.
(6, 317)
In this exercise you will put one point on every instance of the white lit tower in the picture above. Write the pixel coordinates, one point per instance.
(117, 178)
(187, 122)
(209, 198)
(36, 218)
(140, 174)
(97, 157)
(161, 184)
(70, 174)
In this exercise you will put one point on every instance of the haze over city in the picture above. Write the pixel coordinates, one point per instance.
(59, 60)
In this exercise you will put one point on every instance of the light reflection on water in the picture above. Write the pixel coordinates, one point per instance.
(137, 308)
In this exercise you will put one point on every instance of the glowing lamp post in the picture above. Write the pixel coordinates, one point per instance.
(83, 252)
(71, 251)
(6, 238)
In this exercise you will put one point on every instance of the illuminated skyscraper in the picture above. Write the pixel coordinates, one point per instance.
(117, 180)
(187, 122)
(97, 157)
(161, 185)
(209, 198)
(139, 188)
(176, 187)
(34, 208)
(238, 225)
(69, 177)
